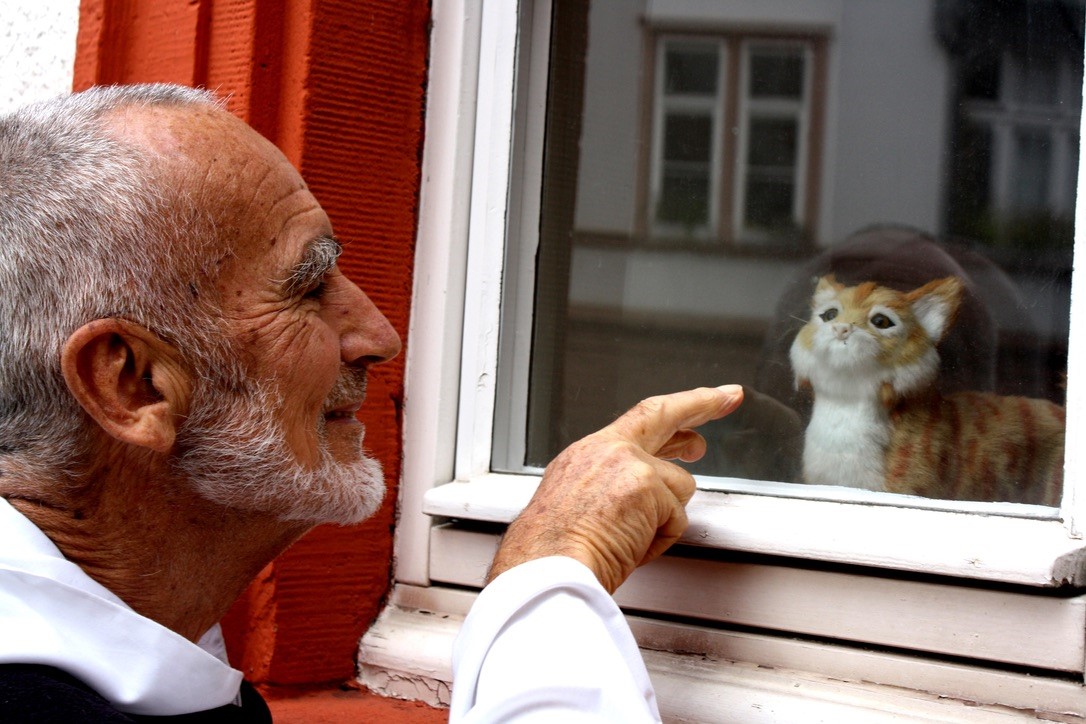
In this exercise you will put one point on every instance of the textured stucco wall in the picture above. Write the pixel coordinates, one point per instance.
(37, 49)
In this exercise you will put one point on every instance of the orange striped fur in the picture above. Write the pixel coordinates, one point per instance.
(869, 355)
(977, 446)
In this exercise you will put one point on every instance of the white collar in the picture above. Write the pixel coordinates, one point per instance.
(53, 613)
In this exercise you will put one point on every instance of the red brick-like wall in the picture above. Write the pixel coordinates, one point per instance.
(338, 85)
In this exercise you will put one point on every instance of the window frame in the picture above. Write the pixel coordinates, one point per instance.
(726, 230)
(470, 199)
(749, 108)
(662, 106)
(455, 342)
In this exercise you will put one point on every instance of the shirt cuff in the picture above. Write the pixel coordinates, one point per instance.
(545, 638)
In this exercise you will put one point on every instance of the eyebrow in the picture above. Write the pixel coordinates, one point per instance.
(317, 260)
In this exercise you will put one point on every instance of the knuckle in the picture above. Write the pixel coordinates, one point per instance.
(641, 473)
(686, 487)
(652, 406)
(646, 414)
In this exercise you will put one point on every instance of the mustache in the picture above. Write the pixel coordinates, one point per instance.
(349, 388)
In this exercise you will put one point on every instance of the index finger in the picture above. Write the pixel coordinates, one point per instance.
(653, 421)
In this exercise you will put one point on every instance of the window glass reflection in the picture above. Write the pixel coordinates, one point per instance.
(862, 211)
(691, 69)
(776, 74)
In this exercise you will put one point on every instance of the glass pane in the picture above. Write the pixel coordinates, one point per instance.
(776, 74)
(1038, 81)
(1030, 184)
(981, 78)
(769, 201)
(684, 197)
(970, 194)
(691, 70)
(772, 142)
(887, 268)
(688, 137)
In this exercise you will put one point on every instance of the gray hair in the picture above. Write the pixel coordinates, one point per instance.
(89, 229)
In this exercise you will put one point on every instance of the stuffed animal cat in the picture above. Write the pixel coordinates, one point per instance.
(879, 422)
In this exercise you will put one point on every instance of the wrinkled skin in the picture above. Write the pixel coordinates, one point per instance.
(173, 553)
(299, 339)
(612, 500)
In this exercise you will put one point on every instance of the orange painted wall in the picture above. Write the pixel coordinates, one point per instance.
(338, 85)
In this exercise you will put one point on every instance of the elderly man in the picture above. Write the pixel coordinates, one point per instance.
(180, 366)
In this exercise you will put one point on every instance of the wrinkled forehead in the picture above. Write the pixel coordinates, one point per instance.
(221, 164)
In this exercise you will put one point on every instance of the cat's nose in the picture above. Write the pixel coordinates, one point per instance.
(842, 331)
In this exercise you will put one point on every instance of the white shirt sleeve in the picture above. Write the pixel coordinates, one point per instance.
(545, 639)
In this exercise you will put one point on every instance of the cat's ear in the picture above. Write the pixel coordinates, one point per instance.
(826, 289)
(936, 305)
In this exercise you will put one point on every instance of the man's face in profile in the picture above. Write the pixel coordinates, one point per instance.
(273, 429)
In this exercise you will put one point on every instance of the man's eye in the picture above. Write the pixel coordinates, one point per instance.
(828, 315)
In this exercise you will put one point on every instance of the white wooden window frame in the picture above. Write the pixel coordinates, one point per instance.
(714, 107)
(798, 109)
(479, 179)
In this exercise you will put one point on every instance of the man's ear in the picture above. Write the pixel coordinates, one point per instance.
(128, 380)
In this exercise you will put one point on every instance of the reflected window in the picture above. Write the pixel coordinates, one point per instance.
(774, 128)
(1015, 161)
(729, 152)
(689, 111)
(862, 212)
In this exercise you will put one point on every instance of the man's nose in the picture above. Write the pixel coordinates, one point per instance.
(367, 337)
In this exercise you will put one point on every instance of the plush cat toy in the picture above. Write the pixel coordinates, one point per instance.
(879, 421)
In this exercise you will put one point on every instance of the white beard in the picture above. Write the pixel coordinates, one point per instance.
(233, 451)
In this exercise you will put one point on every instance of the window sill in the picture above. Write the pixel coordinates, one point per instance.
(734, 676)
(992, 547)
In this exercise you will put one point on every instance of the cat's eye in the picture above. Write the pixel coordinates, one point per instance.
(881, 321)
(828, 315)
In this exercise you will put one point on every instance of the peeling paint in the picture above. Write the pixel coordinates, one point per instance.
(405, 686)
